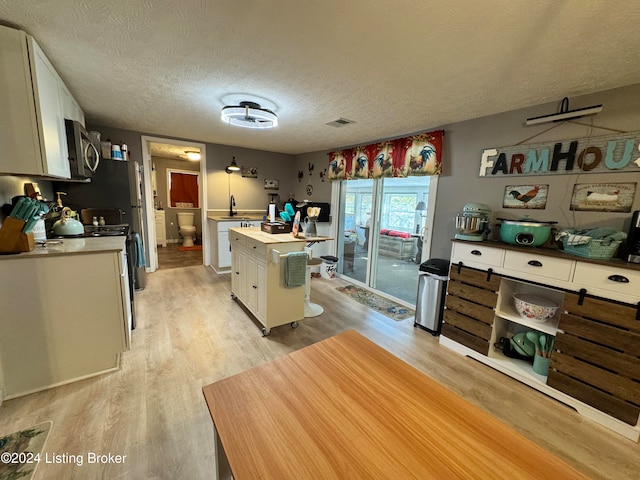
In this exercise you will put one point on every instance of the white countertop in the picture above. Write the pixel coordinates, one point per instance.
(73, 246)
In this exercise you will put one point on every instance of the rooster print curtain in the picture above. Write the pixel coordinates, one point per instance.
(415, 155)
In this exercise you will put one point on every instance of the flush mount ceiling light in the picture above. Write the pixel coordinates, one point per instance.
(192, 155)
(249, 115)
(565, 114)
(233, 167)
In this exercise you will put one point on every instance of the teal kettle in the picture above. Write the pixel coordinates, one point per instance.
(67, 226)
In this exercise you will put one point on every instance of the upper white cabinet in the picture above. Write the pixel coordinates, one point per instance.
(34, 102)
(70, 108)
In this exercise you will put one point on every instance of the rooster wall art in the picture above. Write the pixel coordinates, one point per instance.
(525, 196)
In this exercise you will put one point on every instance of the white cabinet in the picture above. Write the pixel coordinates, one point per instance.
(595, 362)
(220, 243)
(533, 265)
(257, 278)
(161, 228)
(224, 250)
(33, 102)
(64, 318)
(70, 108)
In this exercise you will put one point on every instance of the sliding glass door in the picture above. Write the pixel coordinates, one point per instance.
(383, 226)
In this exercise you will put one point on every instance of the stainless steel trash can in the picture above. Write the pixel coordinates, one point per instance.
(432, 289)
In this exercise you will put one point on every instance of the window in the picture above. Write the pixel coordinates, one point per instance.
(398, 212)
(183, 187)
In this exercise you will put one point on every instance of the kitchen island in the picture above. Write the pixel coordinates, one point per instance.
(258, 272)
(66, 313)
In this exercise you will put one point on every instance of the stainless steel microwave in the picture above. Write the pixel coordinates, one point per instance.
(84, 156)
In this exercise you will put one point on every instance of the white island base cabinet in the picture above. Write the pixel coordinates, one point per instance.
(595, 365)
(64, 318)
(257, 277)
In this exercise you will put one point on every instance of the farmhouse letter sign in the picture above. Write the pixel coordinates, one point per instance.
(606, 154)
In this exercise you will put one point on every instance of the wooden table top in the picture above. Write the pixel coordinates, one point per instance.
(344, 408)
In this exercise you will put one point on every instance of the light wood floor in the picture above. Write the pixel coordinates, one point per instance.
(190, 334)
(171, 257)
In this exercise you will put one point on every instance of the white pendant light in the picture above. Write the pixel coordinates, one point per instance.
(249, 115)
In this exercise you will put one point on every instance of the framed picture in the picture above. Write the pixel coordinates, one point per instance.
(525, 196)
(249, 172)
(271, 184)
(603, 197)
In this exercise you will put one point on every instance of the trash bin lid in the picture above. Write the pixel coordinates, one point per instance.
(437, 266)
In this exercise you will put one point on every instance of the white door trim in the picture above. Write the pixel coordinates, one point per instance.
(149, 212)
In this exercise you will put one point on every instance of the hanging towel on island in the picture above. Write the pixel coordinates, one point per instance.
(139, 249)
(295, 269)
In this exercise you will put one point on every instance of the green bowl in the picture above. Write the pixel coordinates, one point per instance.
(523, 345)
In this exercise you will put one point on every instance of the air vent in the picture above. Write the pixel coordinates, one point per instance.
(341, 122)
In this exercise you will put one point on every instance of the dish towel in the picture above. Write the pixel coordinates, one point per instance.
(137, 244)
(582, 237)
(295, 269)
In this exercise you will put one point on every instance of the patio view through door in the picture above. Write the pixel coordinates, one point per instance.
(382, 228)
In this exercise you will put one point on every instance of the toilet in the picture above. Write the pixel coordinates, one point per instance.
(187, 229)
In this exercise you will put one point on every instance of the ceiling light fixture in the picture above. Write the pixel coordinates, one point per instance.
(249, 115)
(233, 167)
(191, 155)
(565, 114)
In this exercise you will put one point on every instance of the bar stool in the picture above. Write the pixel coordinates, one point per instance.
(311, 309)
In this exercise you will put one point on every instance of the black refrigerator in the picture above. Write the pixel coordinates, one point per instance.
(115, 184)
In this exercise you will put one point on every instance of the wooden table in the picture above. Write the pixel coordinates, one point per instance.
(345, 408)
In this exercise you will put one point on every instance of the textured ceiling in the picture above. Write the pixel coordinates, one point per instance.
(174, 152)
(393, 67)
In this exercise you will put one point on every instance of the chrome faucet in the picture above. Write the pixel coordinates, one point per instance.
(232, 203)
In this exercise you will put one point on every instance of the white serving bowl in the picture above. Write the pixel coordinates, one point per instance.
(533, 307)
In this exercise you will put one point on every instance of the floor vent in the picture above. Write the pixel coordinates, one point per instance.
(341, 122)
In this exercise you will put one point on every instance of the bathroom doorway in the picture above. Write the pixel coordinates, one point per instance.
(168, 161)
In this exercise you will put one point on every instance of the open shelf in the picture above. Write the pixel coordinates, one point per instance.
(506, 310)
(515, 366)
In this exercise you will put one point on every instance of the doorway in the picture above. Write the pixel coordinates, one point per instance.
(384, 233)
(174, 156)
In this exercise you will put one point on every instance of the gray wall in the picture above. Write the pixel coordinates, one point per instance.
(249, 193)
(463, 146)
(459, 183)
(465, 141)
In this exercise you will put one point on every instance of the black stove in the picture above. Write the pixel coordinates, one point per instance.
(106, 230)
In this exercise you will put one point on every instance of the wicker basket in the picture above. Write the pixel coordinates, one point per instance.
(593, 249)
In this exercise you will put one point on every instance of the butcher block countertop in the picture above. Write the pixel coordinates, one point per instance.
(73, 246)
(346, 408)
(258, 235)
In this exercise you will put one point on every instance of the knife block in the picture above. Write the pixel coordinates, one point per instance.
(12, 240)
